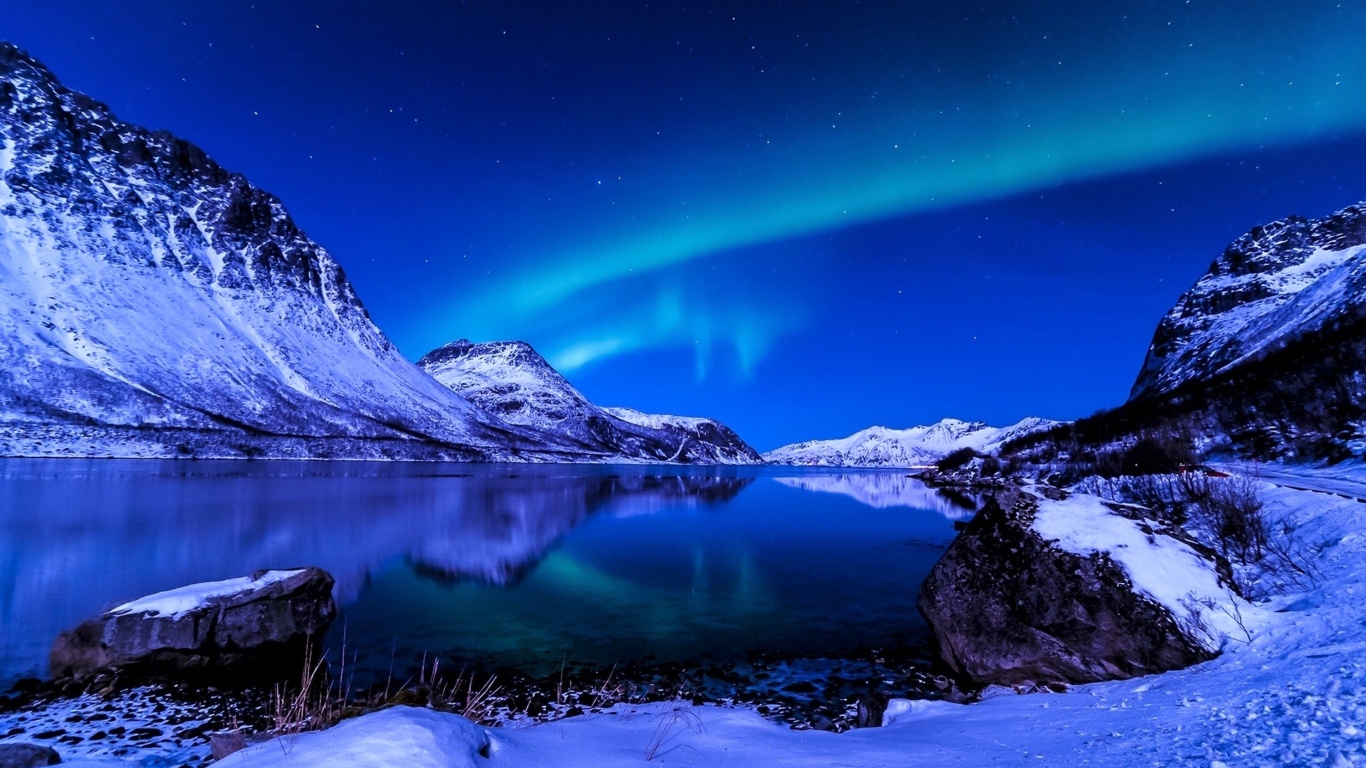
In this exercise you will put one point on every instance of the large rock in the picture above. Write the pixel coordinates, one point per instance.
(27, 756)
(1072, 589)
(261, 625)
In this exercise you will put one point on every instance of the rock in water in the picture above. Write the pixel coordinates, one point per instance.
(1073, 589)
(27, 756)
(260, 626)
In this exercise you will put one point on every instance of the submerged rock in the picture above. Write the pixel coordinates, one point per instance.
(27, 756)
(1071, 589)
(260, 626)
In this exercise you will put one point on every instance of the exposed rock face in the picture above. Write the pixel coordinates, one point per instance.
(509, 379)
(1011, 604)
(259, 626)
(915, 447)
(153, 303)
(701, 440)
(1273, 286)
(27, 756)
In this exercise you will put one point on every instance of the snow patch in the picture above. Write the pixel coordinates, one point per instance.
(401, 737)
(175, 602)
(656, 420)
(1163, 568)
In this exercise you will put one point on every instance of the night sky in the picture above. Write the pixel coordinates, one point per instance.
(800, 218)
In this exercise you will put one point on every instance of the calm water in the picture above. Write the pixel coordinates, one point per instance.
(518, 565)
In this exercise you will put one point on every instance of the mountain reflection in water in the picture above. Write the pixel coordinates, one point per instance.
(885, 489)
(78, 536)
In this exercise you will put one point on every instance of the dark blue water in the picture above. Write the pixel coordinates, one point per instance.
(524, 566)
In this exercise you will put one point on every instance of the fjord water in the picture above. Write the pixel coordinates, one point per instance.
(515, 565)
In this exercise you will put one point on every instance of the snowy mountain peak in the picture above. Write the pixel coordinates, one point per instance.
(515, 354)
(508, 378)
(153, 303)
(512, 380)
(1276, 284)
(914, 447)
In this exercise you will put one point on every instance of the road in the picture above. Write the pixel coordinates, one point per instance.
(1347, 479)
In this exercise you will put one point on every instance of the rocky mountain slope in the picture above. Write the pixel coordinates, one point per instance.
(1278, 284)
(914, 447)
(512, 381)
(154, 303)
(694, 429)
(1261, 359)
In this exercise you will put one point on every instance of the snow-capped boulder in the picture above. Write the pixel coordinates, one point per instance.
(509, 379)
(1047, 587)
(153, 303)
(1275, 285)
(258, 625)
(916, 447)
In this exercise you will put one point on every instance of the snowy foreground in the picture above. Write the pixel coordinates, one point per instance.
(1292, 695)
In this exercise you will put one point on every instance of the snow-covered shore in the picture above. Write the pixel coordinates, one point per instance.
(1295, 694)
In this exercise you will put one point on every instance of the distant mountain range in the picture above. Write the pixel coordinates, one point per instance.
(908, 448)
(509, 379)
(153, 303)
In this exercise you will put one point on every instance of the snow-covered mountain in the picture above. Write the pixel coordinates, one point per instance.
(694, 430)
(914, 447)
(1273, 286)
(509, 379)
(153, 303)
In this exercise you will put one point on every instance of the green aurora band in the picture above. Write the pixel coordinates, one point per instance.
(1110, 107)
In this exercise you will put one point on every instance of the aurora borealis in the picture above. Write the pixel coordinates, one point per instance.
(801, 218)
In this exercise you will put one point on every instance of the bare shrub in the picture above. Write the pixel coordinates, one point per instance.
(1159, 493)
(1231, 510)
(1288, 560)
(1109, 463)
(1195, 488)
(1232, 513)
(1194, 623)
(1197, 608)
(1241, 521)
(678, 715)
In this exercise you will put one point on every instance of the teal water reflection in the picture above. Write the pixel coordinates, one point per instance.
(510, 564)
